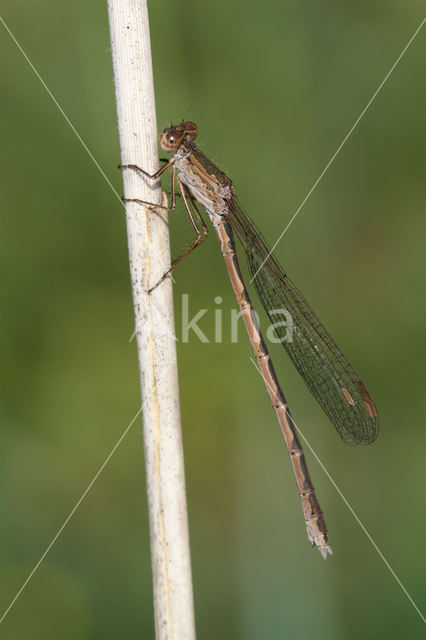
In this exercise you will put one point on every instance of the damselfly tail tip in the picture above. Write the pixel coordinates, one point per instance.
(317, 534)
(324, 550)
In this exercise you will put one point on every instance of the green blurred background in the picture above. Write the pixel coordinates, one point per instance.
(274, 87)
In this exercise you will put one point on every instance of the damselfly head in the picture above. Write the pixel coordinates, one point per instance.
(191, 131)
(175, 135)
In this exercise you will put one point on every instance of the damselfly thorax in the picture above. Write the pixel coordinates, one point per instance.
(208, 184)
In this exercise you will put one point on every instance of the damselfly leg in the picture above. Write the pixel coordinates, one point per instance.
(186, 198)
(154, 176)
(199, 238)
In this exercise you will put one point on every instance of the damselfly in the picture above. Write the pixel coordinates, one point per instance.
(319, 361)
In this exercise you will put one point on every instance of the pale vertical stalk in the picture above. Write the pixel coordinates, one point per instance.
(149, 255)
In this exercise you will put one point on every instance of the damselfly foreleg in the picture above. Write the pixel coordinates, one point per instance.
(155, 176)
(152, 176)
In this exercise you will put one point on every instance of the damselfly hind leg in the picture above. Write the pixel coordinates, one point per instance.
(199, 238)
(186, 197)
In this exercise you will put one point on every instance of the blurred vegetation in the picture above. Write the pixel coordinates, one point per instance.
(274, 88)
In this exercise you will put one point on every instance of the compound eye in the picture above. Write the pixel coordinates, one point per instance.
(169, 141)
(191, 131)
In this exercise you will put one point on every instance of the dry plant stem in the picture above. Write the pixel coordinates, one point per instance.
(149, 254)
